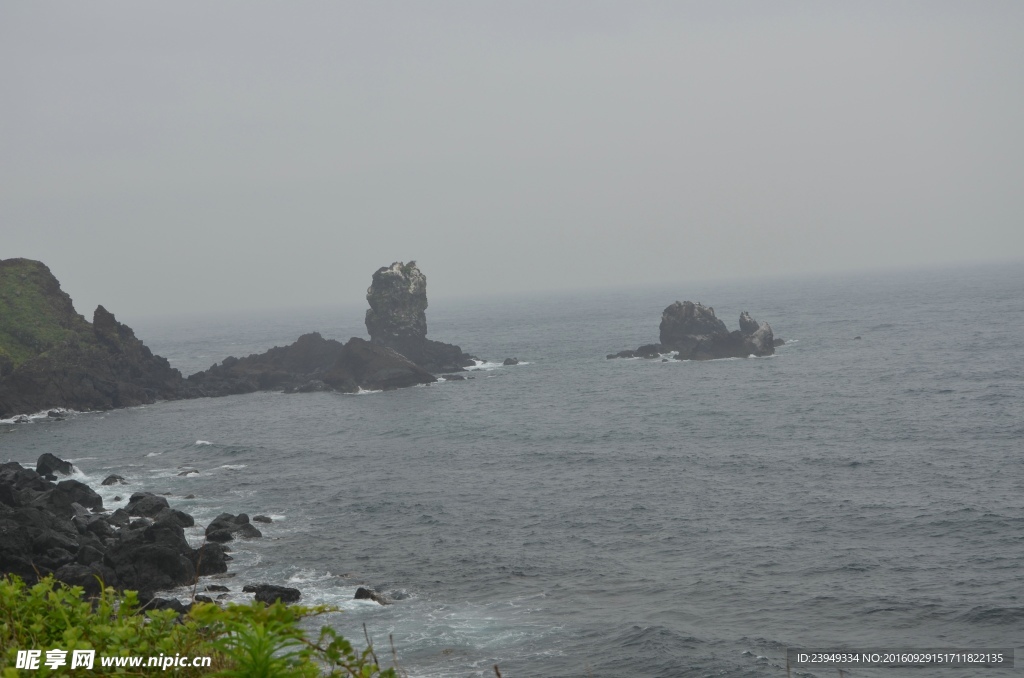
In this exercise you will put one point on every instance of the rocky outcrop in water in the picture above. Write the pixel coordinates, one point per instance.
(271, 593)
(397, 319)
(50, 356)
(312, 363)
(225, 526)
(695, 333)
(363, 593)
(62, 529)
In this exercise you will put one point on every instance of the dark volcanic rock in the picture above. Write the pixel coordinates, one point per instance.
(49, 464)
(363, 593)
(145, 504)
(511, 361)
(695, 333)
(262, 519)
(312, 363)
(269, 594)
(280, 368)
(80, 493)
(225, 526)
(684, 320)
(397, 319)
(179, 518)
(210, 559)
(747, 324)
(46, 528)
(149, 603)
(55, 358)
(363, 364)
(650, 351)
(113, 479)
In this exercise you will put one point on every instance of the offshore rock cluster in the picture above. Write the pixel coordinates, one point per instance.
(694, 332)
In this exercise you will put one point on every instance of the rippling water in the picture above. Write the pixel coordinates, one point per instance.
(575, 516)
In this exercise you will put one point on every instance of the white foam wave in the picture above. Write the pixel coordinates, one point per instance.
(307, 576)
(154, 454)
(363, 391)
(234, 466)
(203, 442)
(486, 366)
(42, 415)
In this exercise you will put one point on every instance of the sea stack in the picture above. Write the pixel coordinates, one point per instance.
(397, 319)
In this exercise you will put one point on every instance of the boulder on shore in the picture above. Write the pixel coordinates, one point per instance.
(50, 465)
(60, 529)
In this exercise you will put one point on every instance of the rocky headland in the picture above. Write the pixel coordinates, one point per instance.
(397, 319)
(694, 332)
(50, 356)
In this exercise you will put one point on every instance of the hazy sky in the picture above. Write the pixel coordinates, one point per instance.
(162, 157)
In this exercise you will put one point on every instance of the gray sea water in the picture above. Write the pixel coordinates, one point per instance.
(577, 516)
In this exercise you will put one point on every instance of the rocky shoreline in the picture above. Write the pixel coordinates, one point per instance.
(50, 526)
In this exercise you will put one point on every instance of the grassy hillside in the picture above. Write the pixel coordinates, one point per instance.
(35, 313)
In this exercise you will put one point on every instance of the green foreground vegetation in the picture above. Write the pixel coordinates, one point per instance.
(242, 640)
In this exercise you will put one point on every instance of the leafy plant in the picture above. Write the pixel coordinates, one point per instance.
(254, 640)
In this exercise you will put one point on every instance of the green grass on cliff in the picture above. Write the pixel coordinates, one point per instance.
(34, 313)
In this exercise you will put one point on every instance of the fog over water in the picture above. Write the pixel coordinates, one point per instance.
(576, 516)
(166, 158)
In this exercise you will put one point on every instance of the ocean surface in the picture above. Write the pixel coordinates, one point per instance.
(577, 516)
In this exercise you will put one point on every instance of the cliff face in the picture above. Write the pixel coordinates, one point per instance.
(50, 356)
(397, 319)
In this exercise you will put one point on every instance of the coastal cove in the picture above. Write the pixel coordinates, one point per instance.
(573, 515)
